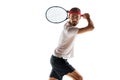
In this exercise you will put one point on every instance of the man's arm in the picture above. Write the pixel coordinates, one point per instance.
(90, 25)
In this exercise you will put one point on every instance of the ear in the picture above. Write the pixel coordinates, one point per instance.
(80, 17)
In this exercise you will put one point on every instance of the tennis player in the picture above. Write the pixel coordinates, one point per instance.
(64, 50)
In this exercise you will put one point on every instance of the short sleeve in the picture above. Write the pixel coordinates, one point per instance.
(72, 31)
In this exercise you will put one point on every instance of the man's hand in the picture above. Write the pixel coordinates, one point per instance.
(86, 16)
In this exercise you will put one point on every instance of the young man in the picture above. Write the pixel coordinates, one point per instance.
(64, 51)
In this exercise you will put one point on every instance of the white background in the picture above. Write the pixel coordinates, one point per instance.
(27, 40)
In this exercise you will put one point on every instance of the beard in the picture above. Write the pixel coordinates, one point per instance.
(74, 23)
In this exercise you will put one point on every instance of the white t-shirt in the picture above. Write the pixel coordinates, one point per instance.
(65, 46)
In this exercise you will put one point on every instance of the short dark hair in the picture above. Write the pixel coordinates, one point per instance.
(75, 9)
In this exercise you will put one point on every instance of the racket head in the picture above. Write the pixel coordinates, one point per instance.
(56, 14)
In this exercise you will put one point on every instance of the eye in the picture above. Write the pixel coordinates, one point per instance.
(75, 17)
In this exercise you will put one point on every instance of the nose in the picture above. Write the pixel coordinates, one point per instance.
(75, 20)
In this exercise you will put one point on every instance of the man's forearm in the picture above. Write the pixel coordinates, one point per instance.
(90, 24)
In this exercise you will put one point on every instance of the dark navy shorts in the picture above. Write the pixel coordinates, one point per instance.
(60, 67)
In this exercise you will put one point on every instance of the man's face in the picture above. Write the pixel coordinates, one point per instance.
(74, 19)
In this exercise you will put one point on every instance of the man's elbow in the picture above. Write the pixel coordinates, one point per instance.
(91, 28)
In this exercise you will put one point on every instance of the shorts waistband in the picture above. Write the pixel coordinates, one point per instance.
(58, 57)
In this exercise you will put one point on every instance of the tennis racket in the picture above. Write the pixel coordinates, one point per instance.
(56, 14)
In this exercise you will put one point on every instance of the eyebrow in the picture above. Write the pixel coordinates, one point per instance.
(75, 16)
